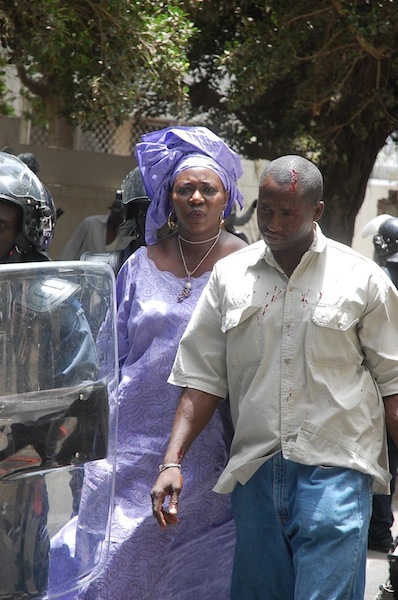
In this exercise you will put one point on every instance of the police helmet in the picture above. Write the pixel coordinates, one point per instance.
(386, 240)
(135, 201)
(20, 186)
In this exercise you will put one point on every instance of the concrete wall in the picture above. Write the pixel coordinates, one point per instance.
(81, 183)
(248, 185)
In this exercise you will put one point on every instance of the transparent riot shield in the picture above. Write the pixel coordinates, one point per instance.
(58, 403)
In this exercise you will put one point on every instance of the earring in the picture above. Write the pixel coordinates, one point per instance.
(172, 221)
(222, 219)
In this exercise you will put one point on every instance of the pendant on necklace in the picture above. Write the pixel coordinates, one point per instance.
(185, 292)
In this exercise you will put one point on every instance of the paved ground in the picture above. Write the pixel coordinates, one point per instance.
(377, 563)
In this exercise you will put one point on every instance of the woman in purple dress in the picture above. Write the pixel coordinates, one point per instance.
(190, 174)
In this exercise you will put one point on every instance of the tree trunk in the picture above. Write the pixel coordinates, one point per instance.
(60, 132)
(345, 181)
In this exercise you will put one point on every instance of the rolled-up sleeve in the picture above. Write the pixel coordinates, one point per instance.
(378, 334)
(200, 362)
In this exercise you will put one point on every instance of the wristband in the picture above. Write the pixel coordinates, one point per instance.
(168, 465)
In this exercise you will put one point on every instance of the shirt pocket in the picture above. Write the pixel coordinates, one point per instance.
(333, 339)
(245, 336)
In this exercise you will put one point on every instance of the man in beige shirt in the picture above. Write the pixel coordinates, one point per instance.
(301, 331)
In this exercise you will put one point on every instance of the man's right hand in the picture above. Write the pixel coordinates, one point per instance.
(169, 483)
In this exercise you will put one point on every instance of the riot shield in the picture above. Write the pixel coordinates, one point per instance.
(58, 403)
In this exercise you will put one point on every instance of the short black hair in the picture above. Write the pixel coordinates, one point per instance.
(295, 170)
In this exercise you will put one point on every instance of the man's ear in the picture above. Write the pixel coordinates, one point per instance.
(318, 210)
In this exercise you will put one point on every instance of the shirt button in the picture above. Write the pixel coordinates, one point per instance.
(287, 361)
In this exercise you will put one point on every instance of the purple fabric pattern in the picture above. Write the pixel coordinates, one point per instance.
(192, 560)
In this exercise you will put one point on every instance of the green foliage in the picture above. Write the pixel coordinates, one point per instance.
(296, 74)
(317, 77)
(98, 58)
(269, 76)
(5, 96)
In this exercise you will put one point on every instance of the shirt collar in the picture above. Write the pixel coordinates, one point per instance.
(320, 240)
(264, 252)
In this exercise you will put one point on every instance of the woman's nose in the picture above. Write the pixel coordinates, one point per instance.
(197, 197)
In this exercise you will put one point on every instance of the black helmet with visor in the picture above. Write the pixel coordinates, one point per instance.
(20, 186)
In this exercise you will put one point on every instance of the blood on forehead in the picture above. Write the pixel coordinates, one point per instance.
(293, 185)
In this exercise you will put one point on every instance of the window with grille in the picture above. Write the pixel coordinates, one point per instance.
(105, 137)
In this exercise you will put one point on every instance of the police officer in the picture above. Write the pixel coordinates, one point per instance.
(30, 361)
(27, 213)
(384, 229)
(134, 202)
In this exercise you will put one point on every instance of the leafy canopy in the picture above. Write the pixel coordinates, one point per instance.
(315, 77)
(296, 74)
(100, 58)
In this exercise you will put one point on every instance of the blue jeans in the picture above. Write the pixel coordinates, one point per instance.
(301, 533)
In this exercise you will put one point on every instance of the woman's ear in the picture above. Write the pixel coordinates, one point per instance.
(226, 196)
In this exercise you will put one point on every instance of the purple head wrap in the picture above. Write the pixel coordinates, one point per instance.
(163, 154)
